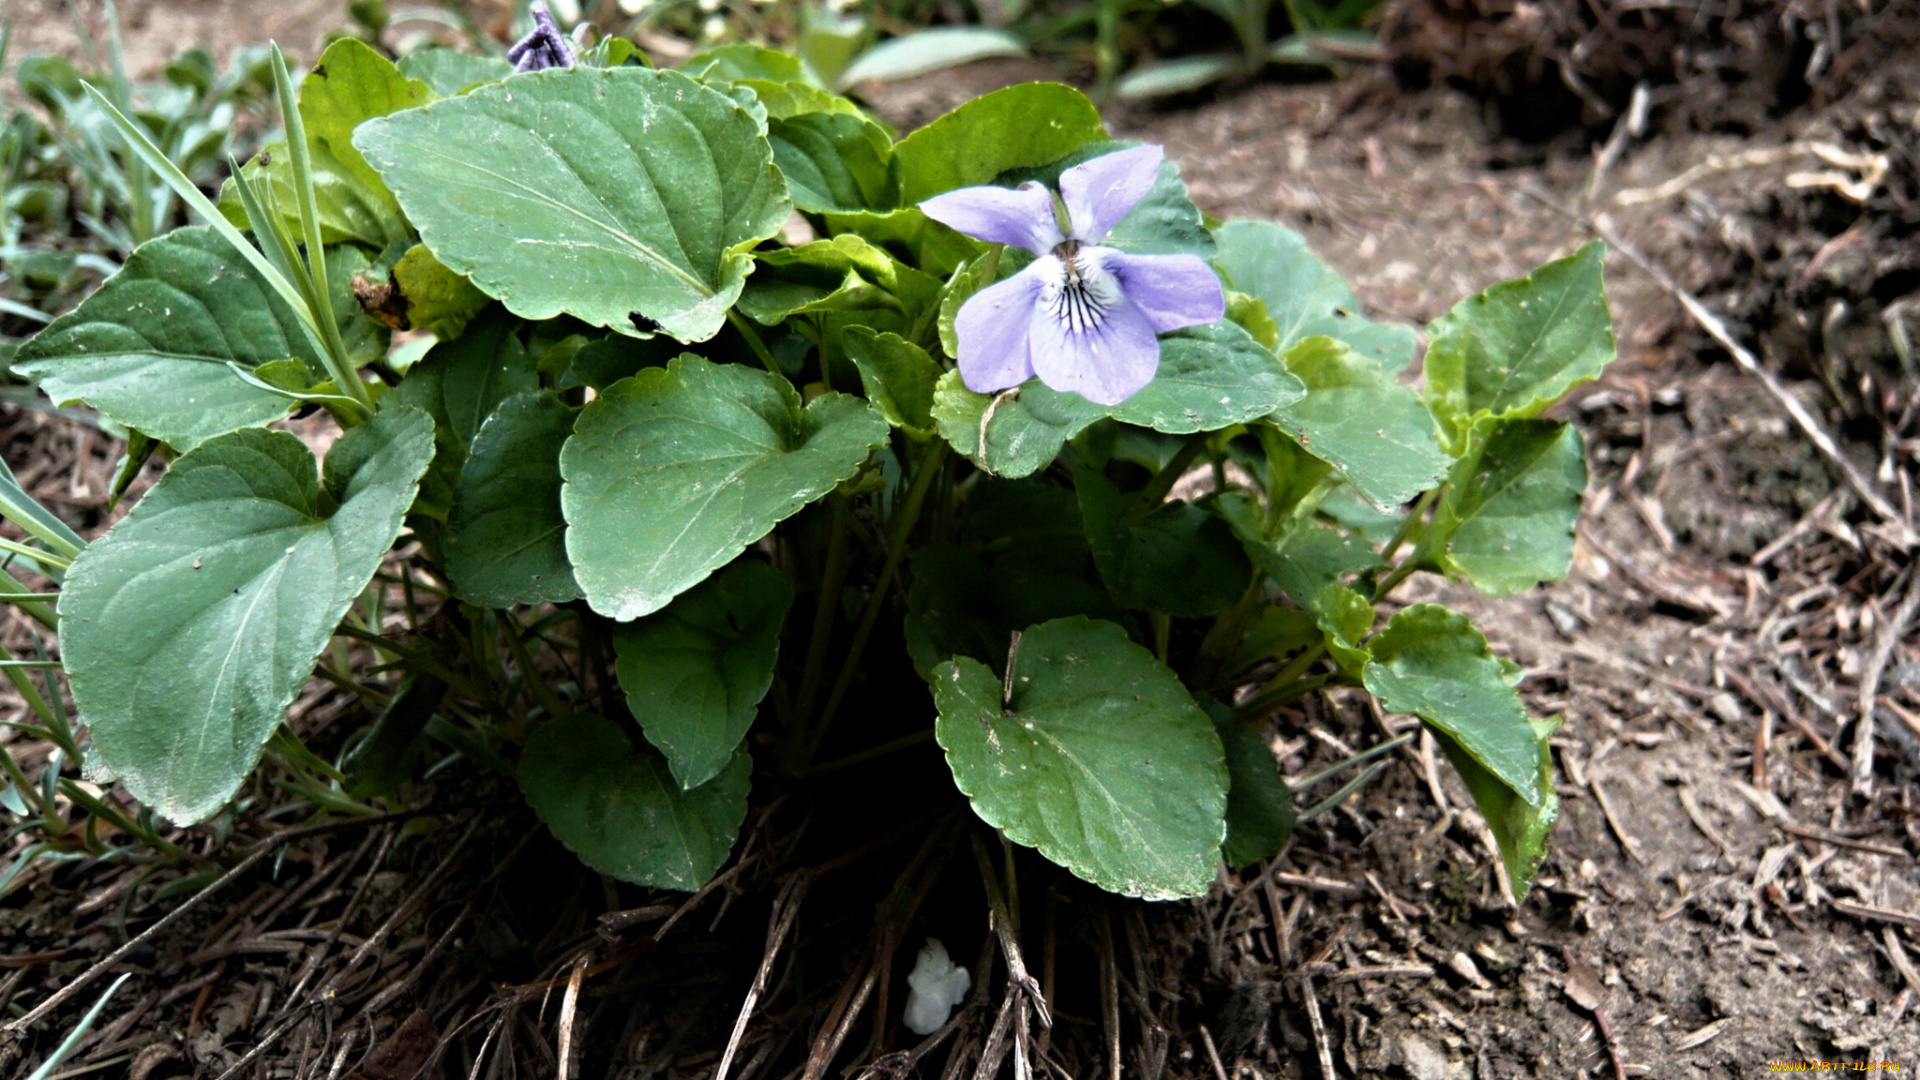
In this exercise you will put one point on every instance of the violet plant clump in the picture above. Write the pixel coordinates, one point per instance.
(644, 520)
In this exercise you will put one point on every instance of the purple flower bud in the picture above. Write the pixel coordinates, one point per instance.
(546, 47)
(1083, 318)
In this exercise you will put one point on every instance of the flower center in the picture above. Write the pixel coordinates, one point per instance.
(1079, 291)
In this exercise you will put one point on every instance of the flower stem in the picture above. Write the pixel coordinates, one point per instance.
(753, 341)
(930, 466)
(1156, 490)
(831, 582)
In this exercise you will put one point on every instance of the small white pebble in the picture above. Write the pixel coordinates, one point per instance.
(934, 988)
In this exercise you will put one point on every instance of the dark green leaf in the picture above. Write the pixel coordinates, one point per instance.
(191, 625)
(1260, 813)
(1021, 127)
(1210, 377)
(673, 472)
(1519, 827)
(616, 806)
(1174, 558)
(962, 606)
(1508, 515)
(506, 541)
(898, 376)
(460, 382)
(844, 274)
(1024, 428)
(694, 672)
(833, 155)
(1099, 759)
(1432, 663)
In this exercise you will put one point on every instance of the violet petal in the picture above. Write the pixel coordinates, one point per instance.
(1022, 216)
(1100, 192)
(992, 327)
(1171, 290)
(545, 47)
(1105, 362)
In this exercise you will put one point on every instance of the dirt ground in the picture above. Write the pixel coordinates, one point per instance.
(1718, 894)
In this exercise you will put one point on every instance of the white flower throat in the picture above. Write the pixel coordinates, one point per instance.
(1079, 290)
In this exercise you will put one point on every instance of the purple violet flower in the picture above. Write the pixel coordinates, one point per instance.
(1081, 317)
(546, 47)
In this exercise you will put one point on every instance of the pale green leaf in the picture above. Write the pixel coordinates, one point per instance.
(925, 51)
(674, 471)
(598, 193)
(188, 629)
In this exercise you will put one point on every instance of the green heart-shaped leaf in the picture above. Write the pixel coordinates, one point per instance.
(1516, 348)
(695, 671)
(1020, 127)
(1508, 516)
(191, 625)
(151, 348)
(615, 805)
(1431, 662)
(898, 376)
(674, 471)
(1210, 377)
(1519, 827)
(1175, 558)
(1304, 296)
(596, 193)
(506, 541)
(1260, 811)
(1357, 417)
(1099, 758)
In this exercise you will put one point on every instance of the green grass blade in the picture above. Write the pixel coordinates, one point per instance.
(25, 511)
(200, 205)
(73, 1038)
(301, 157)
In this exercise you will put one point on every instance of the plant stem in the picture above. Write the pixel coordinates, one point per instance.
(832, 581)
(891, 746)
(930, 466)
(753, 341)
(1156, 490)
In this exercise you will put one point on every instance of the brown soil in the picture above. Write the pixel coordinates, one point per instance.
(1713, 882)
